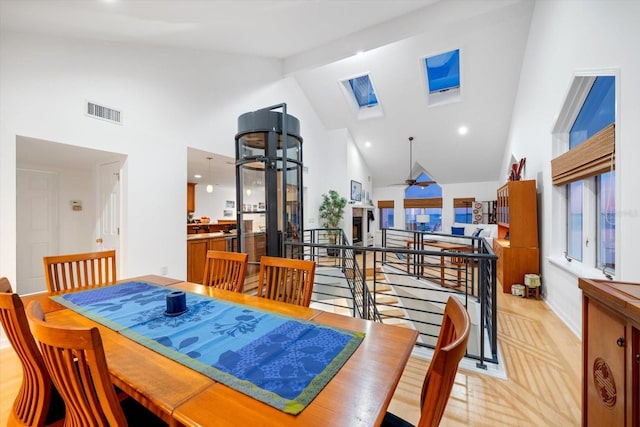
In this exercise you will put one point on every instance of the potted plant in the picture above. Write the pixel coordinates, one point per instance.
(331, 213)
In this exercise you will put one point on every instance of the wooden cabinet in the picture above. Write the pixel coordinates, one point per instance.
(191, 197)
(197, 254)
(610, 353)
(517, 243)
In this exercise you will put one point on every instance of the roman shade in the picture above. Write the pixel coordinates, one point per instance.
(432, 202)
(466, 202)
(385, 204)
(594, 156)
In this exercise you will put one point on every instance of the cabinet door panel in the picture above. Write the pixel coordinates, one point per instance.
(196, 256)
(604, 369)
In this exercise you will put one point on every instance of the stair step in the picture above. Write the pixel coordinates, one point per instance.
(385, 299)
(388, 311)
(380, 287)
(398, 322)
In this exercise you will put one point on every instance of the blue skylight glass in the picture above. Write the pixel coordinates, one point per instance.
(363, 91)
(443, 71)
(597, 112)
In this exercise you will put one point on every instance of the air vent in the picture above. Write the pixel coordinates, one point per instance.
(103, 113)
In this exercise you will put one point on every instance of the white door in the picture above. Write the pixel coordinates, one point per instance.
(109, 209)
(36, 225)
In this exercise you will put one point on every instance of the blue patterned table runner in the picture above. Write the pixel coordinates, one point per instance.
(277, 359)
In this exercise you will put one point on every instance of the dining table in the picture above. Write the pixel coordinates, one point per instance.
(358, 393)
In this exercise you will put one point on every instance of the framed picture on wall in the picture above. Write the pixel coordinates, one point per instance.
(231, 204)
(356, 190)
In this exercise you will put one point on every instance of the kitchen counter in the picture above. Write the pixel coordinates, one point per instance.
(209, 235)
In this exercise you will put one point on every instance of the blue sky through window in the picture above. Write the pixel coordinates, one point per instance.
(443, 71)
(418, 192)
(597, 112)
(362, 89)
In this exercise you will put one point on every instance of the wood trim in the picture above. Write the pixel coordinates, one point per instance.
(433, 202)
(594, 156)
(464, 202)
(385, 204)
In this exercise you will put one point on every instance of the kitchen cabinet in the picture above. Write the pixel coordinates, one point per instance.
(197, 254)
(610, 353)
(191, 197)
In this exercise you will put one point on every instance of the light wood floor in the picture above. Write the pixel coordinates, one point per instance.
(541, 358)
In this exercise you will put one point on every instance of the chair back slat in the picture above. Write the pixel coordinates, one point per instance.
(76, 362)
(225, 270)
(63, 272)
(31, 405)
(450, 349)
(286, 280)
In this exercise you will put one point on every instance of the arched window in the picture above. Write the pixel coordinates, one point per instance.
(423, 205)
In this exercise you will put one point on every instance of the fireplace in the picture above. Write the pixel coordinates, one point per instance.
(357, 229)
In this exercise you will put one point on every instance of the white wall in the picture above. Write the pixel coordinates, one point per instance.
(170, 99)
(567, 37)
(213, 204)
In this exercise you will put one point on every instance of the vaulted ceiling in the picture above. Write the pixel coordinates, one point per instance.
(317, 40)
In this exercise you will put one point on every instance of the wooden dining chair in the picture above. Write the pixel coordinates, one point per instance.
(71, 271)
(287, 280)
(37, 402)
(78, 367)
(225, 270)
(438, 382)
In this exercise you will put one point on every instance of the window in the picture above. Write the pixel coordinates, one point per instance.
(424, 200)
(587, 172)
(386, 213)
(574, 220)
(442, 75)
(363, 91)
(361, 96)
(463, 210)
(443, 71)
(414, 216)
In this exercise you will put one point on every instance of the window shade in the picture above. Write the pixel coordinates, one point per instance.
(594, 156)
(466, 202)
(433, 202)
(385, 204)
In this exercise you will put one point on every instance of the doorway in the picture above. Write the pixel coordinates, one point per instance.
(59, 208)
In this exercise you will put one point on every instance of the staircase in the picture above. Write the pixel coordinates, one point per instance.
(387, 304)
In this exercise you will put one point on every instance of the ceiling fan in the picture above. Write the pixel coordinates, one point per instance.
(411, 181)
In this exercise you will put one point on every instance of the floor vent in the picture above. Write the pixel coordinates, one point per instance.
(103, 113)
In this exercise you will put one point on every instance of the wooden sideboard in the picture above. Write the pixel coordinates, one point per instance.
(517, 243)
(610, 353)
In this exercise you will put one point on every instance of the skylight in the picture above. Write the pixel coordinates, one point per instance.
(363, 91)
(361, 96)
(443, 71)
(442, 77)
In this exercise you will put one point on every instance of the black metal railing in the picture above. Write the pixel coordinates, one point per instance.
(406, 281)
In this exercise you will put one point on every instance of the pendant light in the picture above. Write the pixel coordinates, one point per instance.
(209, 185)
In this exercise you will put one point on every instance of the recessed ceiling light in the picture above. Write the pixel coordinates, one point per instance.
(197, 176)
(367, 144)
(463, 130)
